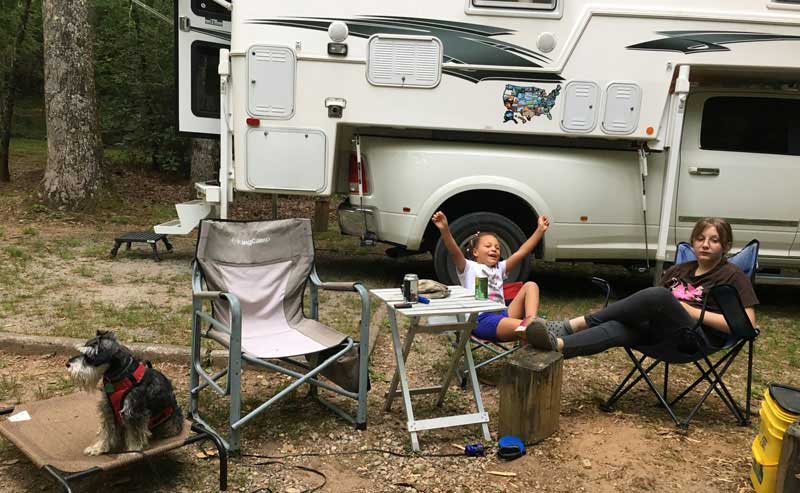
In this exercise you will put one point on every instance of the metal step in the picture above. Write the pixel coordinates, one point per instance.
(189, 216)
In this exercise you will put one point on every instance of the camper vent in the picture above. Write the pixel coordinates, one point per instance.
(580, 106)
(623, 103)
(404, 61)
(271, 89)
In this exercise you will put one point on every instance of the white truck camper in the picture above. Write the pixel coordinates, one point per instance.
(622, 121)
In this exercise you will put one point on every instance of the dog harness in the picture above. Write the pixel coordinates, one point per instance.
(116, 392)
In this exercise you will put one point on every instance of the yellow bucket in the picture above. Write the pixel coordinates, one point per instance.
(766, 446)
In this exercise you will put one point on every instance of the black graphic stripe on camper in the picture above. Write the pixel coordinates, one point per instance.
(691, 42)
(468, 44)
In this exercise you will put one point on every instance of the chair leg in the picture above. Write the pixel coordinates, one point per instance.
(363, 381)
(194, 378)
(235, 391)
(653, 387)
(750, 348)
(620, 391)
(703, 376)
(717, 381)
(666, 380)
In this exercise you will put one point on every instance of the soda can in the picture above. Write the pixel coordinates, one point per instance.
(481, 287)
(410, 288)
(475, 450)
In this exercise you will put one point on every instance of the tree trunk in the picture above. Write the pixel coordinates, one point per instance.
(205, 160)
(74, 150)
(530, 395)
(11, 89)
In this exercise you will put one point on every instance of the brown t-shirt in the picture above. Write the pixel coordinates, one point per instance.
(691, 289)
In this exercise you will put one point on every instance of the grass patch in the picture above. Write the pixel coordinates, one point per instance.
(66, 255)
(133, 322)
(16, 253)
(84, 271)
(120, 219)
(30, 231)
(10, 388)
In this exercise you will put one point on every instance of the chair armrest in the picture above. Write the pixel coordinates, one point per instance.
(207, 295)
(332, 286)
(355, 286)
(339, 286)
(605, 286)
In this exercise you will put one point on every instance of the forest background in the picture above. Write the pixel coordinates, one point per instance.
(134, 76)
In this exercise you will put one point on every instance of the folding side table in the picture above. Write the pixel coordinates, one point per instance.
(462, 304)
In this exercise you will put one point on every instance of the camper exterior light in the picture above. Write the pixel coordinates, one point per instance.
(338, 31)
(253, 122)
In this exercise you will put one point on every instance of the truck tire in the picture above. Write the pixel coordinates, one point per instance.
(510, 236)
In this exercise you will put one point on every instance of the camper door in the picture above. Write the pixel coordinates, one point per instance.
(202, 29)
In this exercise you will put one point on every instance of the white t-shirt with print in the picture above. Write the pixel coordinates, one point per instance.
(496, 275)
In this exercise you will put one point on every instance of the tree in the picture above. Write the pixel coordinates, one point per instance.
(74, 150)
(9, 97)
(205, 160)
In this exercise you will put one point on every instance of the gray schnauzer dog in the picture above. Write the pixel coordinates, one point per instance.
(139, 402)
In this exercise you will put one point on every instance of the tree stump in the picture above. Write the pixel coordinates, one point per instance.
(530, 395)
(788, 477)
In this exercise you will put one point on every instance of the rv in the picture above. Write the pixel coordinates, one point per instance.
(623, 122)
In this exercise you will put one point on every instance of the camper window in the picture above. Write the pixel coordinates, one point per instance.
(210, 10)
(517, 4)
(748, 124)
(205, 80)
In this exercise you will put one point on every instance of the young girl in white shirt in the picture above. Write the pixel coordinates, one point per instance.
(485, 251)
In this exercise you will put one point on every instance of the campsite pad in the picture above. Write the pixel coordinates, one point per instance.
(62, 427)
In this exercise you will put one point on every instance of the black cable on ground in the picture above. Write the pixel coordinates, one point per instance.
(302, 468)
(275, 459)
(353, 452)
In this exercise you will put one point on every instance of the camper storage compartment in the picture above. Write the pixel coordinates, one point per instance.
(286, 159)
(271, 71)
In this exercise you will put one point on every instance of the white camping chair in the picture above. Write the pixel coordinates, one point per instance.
(254, 275)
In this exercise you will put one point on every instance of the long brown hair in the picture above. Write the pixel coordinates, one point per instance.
(723, 231)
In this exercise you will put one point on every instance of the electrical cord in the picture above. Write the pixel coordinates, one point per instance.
(276, 459)
(352, 452)
(302, 468)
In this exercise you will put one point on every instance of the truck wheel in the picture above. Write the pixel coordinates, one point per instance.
(508, 234)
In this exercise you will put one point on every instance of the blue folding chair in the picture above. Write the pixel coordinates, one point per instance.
(670, 352)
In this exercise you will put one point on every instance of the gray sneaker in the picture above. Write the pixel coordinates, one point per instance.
(539, 336)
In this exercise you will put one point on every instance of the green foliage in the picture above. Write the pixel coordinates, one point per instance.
(134, 79)
(135, 76)
(28, 111)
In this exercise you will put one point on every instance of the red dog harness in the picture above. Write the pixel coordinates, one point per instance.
(116, 392)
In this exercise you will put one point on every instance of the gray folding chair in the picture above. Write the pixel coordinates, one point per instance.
(254, 275)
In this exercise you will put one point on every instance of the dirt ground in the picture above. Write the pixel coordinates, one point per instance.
(634, 448)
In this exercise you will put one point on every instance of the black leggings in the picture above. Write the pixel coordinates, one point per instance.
(646, 317)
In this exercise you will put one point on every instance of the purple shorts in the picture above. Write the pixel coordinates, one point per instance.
(487, 325)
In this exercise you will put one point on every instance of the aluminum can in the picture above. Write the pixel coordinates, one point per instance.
(411, 287)
(475, 450)
(481, 287)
